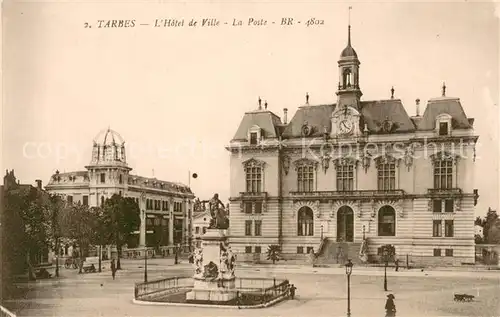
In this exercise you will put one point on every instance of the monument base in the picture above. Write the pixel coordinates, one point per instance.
(220, 290)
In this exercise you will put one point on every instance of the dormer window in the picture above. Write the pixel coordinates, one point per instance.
(254, 135)
(253, 138)
(443, 128)
(443, 124)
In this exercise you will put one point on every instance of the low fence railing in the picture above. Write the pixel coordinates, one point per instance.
(249, 291)
(4, 312)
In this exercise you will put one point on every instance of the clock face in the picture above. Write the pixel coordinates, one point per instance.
(345, 126)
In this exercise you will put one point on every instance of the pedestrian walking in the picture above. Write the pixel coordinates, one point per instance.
(292, 291)
(390, 307)
(113, 268)
(397, 264)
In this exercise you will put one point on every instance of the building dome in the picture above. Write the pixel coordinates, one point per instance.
(348, 52)
(108, 149)
(108, 137)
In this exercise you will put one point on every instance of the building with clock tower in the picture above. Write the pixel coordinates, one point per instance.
(342, 180)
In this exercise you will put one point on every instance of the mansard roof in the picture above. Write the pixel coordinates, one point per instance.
(444, 105)
(373, 114)
(318, 117)
(265, 119)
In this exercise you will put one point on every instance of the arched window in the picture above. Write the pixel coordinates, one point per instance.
(386, 221)
(347, 78)
(305, 222)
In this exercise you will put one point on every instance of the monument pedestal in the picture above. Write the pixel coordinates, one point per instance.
(214, 278)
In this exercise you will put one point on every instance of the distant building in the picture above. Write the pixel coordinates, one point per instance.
(352, 170)
(201, 222)
(166, 207)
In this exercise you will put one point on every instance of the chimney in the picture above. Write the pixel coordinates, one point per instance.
(418, 106)
(285, 111)
(39, 183)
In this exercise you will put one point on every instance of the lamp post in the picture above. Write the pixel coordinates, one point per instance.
(386, 260)
(176, 254)
(348, 271)
(145, 264)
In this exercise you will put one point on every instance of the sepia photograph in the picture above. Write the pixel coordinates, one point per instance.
(250, 158)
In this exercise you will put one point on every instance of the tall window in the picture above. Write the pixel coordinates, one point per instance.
(248, 227)
(443, 174)
(345, 177)
(103, 178)
(248, 207)
(258, 208)
(448, 206)
(437, 205)
(85, 200)
(254, 179)
(436, 228)
(387, 176)
(120, 179)
(258, 227)
(102, 200)
(305, 178)
(386, 221)
(305, 222)
(70, 199)
(448, 228)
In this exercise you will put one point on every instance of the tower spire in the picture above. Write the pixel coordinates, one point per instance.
(349, 28)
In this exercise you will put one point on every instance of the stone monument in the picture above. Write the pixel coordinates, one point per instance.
(214, 278)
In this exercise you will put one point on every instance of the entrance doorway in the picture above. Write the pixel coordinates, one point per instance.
(345, 224)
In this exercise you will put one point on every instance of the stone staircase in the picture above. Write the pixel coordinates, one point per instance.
(332, 252)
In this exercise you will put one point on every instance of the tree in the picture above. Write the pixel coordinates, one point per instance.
(55, 209)
(121, 216)
(273, 253)
(81, 223)
(478, 239)
(489, 227)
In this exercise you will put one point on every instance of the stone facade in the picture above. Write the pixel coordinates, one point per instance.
(356, 169)
(166, 207)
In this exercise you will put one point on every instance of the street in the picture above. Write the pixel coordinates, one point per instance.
(320, 292)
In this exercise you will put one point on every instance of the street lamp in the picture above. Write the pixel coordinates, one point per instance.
(145, 264)
(348, 271)
(385, 254)
(176, 253)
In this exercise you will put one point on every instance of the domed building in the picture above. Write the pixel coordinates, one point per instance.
(343, 180)
(166, 207)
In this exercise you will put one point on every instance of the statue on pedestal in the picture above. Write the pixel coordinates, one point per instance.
(217, 212)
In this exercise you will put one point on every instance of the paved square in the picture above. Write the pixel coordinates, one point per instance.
(320, 292)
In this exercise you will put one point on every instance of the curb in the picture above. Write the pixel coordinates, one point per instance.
(265, 305)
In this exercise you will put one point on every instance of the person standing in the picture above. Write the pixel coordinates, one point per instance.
(113, 268)
(397, 264)
(292, 291)
(390, 307)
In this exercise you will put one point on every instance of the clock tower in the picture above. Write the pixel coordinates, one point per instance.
(346, 117)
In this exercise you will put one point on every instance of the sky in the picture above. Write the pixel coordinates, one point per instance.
(177, 95)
